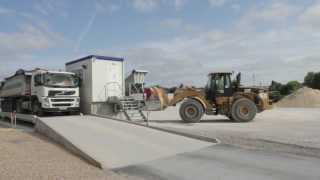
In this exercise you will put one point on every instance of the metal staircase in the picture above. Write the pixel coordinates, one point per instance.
(132, 109)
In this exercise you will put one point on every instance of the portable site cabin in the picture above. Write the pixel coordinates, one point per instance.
(102, 78)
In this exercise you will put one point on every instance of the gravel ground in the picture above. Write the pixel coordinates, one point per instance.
(293, 130)
(27, 155)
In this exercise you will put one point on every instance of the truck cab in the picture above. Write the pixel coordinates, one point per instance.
(39, 91)
(54, 91)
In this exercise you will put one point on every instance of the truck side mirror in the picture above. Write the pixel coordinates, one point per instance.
(79, 81)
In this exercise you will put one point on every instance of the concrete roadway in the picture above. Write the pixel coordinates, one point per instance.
(142, 153)
(117, 144)
(226, 163)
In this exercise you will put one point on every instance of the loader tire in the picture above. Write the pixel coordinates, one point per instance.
(191, 111)
(243, 110)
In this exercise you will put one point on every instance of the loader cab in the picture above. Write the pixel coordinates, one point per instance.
(219, 84)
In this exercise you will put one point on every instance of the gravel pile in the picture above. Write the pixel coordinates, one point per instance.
(303, 98)
(31, 156)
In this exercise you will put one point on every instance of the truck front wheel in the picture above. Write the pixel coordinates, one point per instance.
(243, 110)
(36, 108)
(191, 111)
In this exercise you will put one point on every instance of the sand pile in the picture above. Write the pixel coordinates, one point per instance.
(304, 98)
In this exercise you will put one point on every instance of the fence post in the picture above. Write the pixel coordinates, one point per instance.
(15, 118)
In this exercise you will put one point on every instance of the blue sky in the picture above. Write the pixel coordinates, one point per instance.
(178, 41)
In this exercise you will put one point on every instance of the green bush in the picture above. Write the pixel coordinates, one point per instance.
(279, 90)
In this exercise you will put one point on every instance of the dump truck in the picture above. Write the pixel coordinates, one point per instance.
(39, 91)
(221, 96)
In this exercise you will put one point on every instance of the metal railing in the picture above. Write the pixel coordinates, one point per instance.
(13, 119)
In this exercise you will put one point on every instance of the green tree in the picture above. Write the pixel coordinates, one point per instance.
(316, 81)
(275, 86)
(312, 80)
(308, 79)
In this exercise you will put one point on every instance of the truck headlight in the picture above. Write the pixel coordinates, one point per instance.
(46, 101)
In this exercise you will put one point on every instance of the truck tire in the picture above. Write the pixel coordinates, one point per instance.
(191, 111)
(36, 108)
(243, 110)
(18, 106)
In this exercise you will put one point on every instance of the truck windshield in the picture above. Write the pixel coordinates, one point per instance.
(60, 80)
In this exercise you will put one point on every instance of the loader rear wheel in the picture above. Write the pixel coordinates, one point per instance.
(243, 110)
(191, 111)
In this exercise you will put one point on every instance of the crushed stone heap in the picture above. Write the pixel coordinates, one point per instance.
(302, 98)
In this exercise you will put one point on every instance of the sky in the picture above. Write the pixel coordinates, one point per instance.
(177, 41)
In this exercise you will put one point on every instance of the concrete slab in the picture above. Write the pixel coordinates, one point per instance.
(116, 144)
(226, 163)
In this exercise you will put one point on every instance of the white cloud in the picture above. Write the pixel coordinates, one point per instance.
(236, 7)
(17, 49)
(6, 10)
(106, 6)
(145, 5)
(149, 5)
(51, 7)
(28, 38)
(275, 47)
(217, 3)
(172, 23)
(179, 3)
(275, 12)
(311, 16)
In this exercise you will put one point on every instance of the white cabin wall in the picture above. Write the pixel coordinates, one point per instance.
(107, 79)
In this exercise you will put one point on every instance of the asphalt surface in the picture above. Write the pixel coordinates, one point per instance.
(227, 163)
(117, 144)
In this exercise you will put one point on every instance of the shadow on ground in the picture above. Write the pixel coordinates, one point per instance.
(202, 121)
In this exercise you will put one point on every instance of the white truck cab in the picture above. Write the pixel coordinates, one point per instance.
(40, 91)
(55, 91)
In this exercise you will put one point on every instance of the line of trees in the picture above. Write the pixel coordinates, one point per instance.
(312, 80)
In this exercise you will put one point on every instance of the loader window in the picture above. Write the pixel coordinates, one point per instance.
(219, 82)
(228, 82)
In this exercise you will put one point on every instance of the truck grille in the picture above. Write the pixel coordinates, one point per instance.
(62, 100)
(61, 105)
(61, 93)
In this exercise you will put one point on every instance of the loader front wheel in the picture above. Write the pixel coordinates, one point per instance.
(243, 110)
(191, 111)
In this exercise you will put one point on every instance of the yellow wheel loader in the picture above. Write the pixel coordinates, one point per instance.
(221, 96)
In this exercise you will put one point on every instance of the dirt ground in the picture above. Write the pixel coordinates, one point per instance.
(27, 155)
(286, 129)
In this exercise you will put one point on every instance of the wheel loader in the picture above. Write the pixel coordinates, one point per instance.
(221, 96)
